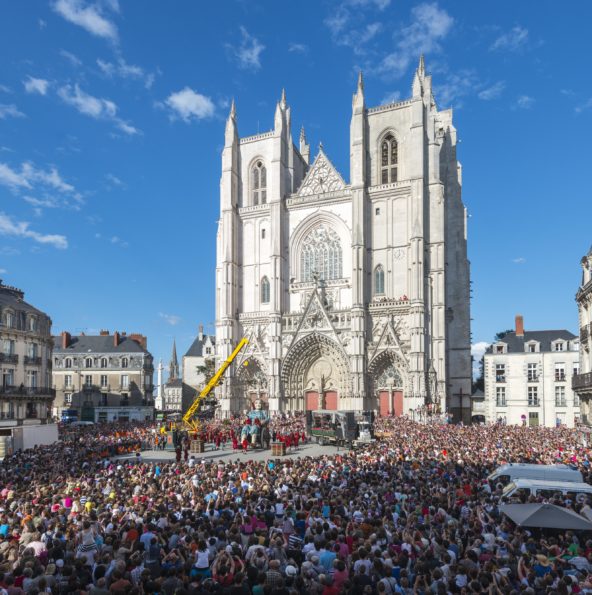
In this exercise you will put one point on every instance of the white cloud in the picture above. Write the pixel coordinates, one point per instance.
(124, 70)
(3, 271)
(455, 87)
(95, 107)
(391, 97)
(119, 242)
(33, 85)
(172, 319)
(492, 92)
(524, 102)
(584, 106)
(519, 260)
(114, 180)
(299, 48)
(187, 104)
(248, 52)
(429, 26)
(21, 229)
(42, 24)
(5, 89)
(512, 40)
(13, 179)
(477, 351)
(10, 111)
(74, 60)
(88, 17)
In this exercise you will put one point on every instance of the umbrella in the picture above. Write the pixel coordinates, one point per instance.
(545, 516)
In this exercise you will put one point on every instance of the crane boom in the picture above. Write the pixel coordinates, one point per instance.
(188, 417)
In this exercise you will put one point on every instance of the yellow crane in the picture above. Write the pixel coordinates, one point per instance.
(193, 424)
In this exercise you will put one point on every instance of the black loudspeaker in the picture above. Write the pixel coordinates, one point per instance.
(308, 420)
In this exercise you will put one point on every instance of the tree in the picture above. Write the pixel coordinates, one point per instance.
(208, 369)
(499, 336)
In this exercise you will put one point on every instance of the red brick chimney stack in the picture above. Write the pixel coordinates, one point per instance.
(116, 339)
(139, 339)
(104, 333)
(66, 339)
(519, 325)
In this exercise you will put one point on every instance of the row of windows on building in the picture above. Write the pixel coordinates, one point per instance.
(89, 362)
(532, 397)
(32, 378)
(124, 380)
(104, 399)
(389, 163)
(378, 286)
(532, 372)
(9, 348)
(20, 320)
(534, 347)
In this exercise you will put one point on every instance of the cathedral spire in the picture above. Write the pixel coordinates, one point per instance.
(304, 147)
(231, 132)
(174, 364)
(421, 67)
(358, 99)
(418, 79)
(283, 102)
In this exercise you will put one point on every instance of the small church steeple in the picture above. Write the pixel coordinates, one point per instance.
(174, 364)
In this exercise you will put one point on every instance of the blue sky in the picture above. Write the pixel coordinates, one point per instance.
(112, 119)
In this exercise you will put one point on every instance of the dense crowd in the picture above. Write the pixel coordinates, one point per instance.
(409, 513)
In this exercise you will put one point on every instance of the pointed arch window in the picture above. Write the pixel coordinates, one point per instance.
(321, 254)
(389, 159)
(379, 280)
(265, 290)
(259, 183)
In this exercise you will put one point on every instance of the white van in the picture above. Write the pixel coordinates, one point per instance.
(512, 471)
(578, 491)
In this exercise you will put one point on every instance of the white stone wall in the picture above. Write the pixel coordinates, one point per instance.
(517, 383)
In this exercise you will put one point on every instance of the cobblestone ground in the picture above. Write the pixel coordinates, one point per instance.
(307, 450)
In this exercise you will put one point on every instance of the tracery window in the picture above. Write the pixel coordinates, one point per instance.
(265, 290)
(389, 159)
(379, 280)
(259, 183)
(321, 254)
(390, 376)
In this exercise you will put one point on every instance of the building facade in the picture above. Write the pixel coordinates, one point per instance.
(528, 378)
(176, 395)
(199, 360)
(26, 395)
(352, 295)
(582, 383)
(103, 377)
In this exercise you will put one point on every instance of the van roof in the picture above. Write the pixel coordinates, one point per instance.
(544, 483)
(535, 466)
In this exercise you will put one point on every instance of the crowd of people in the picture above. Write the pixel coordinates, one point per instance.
(410, 513)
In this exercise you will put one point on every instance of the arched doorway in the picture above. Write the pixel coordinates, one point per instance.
(252, 384)
(387, 373)
(315, 374)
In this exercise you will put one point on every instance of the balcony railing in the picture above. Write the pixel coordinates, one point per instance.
(500, 378)
(582, 381)
(9, 358)
(32, 360)
(26, 391)
(533, 378)
(559, 377)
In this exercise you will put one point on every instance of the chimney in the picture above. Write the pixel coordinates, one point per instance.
(139, 339)
(66, 339)
(519, 326)
(115, 339)
(104, 333)
(201, 332)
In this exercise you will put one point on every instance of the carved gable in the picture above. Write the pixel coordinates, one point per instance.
(322, 177)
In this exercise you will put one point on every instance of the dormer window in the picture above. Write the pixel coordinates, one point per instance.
(500, 348)
(559, 346)
(531, 347)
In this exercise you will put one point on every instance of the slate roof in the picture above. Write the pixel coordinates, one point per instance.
(13, 297)
(174, 383)
(196, 349)
(516, 344)
(97, 344)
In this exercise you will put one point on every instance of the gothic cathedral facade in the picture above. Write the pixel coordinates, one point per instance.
(352, 295)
